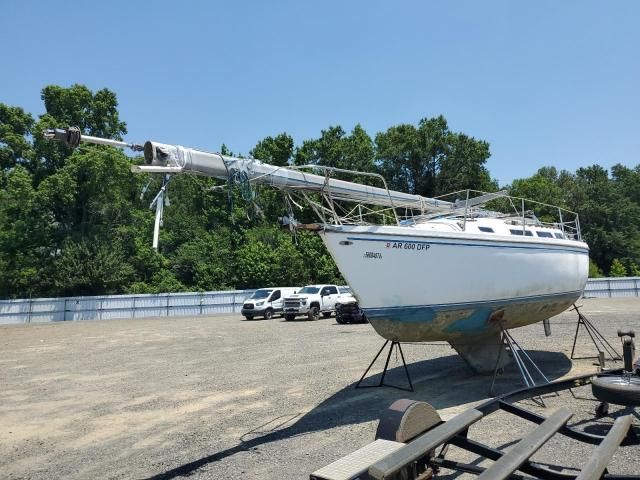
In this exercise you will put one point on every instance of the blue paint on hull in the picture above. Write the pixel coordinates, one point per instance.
(475, 322)
(443, 322)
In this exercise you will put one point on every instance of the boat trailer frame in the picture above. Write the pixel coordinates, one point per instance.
(620, 434)
(423, 456)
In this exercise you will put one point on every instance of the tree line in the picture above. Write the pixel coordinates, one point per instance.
(74, 222)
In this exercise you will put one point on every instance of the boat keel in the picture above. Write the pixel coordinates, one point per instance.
(482, 356)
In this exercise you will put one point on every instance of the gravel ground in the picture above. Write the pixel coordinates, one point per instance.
(219, 397)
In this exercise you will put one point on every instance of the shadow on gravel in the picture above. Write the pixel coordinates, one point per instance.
(601, 426)
(443, 382)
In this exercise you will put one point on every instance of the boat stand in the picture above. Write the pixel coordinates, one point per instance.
(398, 347)
(520, 358)
(601, 343)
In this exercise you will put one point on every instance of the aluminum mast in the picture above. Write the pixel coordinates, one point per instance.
(174, 159)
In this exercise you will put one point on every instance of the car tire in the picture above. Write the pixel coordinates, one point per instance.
(339, 320)
(314, 313)
(364, 319)
(289, 317)
(249, 317)
(617, 389)
(326, 314)
(268, 314)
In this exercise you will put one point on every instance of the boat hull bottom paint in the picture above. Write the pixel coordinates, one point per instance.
(473, 330)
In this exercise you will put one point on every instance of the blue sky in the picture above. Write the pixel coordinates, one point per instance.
(545, 82)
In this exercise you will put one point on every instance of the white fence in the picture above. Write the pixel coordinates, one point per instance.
(38, 310)
(612, 287)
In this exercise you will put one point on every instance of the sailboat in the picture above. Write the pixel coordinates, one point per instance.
(428, 269)
(460, 279)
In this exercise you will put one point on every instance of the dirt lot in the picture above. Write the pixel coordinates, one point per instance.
(219, 397)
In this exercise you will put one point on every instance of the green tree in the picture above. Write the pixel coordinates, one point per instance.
(95, 113)
(431, 160)
(608, 207)
(326, 150)
(76, 106)
(163, 281)
(634, 270)
(256, 264)
(609, 218)
(359, 151)
(617, 269)
(24, 229)
(464, 166)
(594, 271)
(275, 151)
(543, 186)
(336, 149)
(151, 268)
(60, 207)
(206, 262)
(290, 268)
(91, 268)
(92, 191)
(15, 128)
(317, 261)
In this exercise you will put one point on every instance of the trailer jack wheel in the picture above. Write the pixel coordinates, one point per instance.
(602, 410)
(617, 389)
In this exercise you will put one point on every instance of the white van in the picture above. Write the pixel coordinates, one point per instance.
(265, 302)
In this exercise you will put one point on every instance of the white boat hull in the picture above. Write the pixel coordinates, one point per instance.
(427, 285)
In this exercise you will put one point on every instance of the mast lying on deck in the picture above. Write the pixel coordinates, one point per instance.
(172, 159)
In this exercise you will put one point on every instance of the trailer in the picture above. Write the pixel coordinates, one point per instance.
(412, 442)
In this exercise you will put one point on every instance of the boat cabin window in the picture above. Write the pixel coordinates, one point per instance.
(528, 233)
(559, 235)
(486, 229)
(544, 234)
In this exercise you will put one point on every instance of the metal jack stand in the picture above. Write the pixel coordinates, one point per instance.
(519, 357)
(596, 337)
(386, 366)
